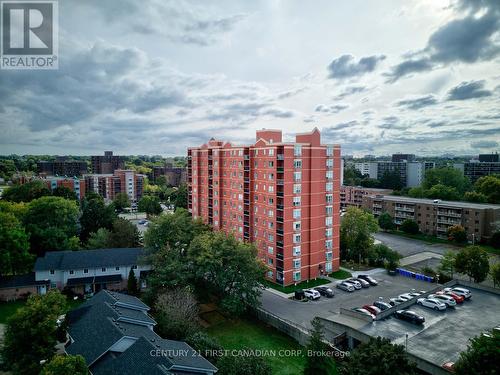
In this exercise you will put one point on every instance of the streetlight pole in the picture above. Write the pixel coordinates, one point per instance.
(406, 342)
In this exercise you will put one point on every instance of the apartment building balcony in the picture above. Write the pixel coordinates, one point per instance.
(441, 220)
(280, 169)
(405, 208)
(279, 232)
(280, 182)
(280, 157)
(449, 213)
(279, 244)
(279, 256)
(404, 215)
(280, 207)
(279, 193)
(377, 205)
(279, 219)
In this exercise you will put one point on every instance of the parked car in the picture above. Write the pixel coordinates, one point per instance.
(382, 305)
(348, 287)
(142, 222)
(447, 300)
(448, 366)
(414, 294)
(325, 291)
(356, 284)
(409, 316)
(368, 278)
(364, 311)
(406, 296)
(364, 283)
(312, 294)
(373, 309)
(431, 303)
(456, 297)
(299, 294)
(396, 301)
(460, 291)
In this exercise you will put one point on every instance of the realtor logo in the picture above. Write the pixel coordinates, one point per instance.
(29, 35)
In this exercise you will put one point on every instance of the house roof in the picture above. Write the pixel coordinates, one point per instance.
(98, 324)
(69, 260)
(16, 281)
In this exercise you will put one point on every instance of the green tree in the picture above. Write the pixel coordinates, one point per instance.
(356, 231)
(369, 182)
(181, 197)
(51, 222)
(457, 234)
(495, 274)
(409, 226)
(382, 255)
(132, 286)
(205, 344)
(481, 356)
(447, 176)
(95, 214)
(385, 221)
(391, 180)
(443, 192)
(175, 231)
(490, 187)
(31, 333)
(447, 265)
(26, 192)
(7, 169)
(229, 269)
(417, 192)
(64, 192)
(473, 261)
(150, 205)
(99, 239)
(378, 357)
(317, 363)
(121, 201)
(123, 234)
(243, 365)
(14, 246)
(352, 176)
(177, 313)
(17, 209)
(65, 365)
(472, 196)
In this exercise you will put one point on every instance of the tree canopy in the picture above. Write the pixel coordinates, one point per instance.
(446, 176)
(65, 365)
(386, 222)
(150, 205)
(356, 231)
(409, 226)
(121, 201)
(14, 246)
(31, 333)
(474, 262)
(317, 362)
(26, 192)
(489, 186)
(481, 356)
(51, 223)
(95, 214)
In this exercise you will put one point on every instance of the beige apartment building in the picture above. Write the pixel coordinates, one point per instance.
(434, 217)
(353, 195)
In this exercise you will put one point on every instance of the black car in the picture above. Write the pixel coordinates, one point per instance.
(325, 291)
(409, 316)
(369, 279)
(382, 305)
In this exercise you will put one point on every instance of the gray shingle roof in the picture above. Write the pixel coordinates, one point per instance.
(16, 281)
(70, 260)
(95, 326)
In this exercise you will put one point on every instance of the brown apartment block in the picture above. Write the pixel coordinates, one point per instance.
(107, 163)
(283, 197)
(353, 195)
(434, 217)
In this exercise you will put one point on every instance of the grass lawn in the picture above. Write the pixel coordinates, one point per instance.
(8, 309)
(252, 334)
(340, 275)
(293, 288)
(433, 239)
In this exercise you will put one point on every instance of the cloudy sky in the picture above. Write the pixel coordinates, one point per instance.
(156, 76)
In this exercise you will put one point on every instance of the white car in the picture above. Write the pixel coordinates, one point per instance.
(344, 285)
(406, 296)
(312, 294)
(460, 291)
(431, 303)
(447, 300)
(357, 285)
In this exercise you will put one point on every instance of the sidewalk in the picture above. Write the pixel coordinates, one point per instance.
(415, 258)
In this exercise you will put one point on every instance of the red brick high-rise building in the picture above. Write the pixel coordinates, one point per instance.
(283, 197)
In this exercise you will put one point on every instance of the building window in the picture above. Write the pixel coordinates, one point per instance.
(329, 210)
(296, 201)
(328, 267)
(296, 225)
(329, 255)
(103, 269)
(328, 244)
(296, 263)
(117, 268)
(270, 250)
(270, 261)
(85, 270)
(328, 221)
(296, 276)
(329, 175)
(329, 198)
(297, 176)
(328, 232)
(71, 272)
(51, 272)
(297, 150)
(329, 151)
(296, 251)
(270, 274)
(329, 163)
(297, 188)
(297, 163)
(329, 186)
(296, 213)
(271, 152)
(296, 238)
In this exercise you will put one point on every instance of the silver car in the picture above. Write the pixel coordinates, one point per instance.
(357, 284)
(346, 286)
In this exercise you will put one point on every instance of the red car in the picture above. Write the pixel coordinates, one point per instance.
(373, 309)
(456, 297)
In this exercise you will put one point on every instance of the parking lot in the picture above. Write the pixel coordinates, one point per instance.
(445, 333)
(303, 312)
